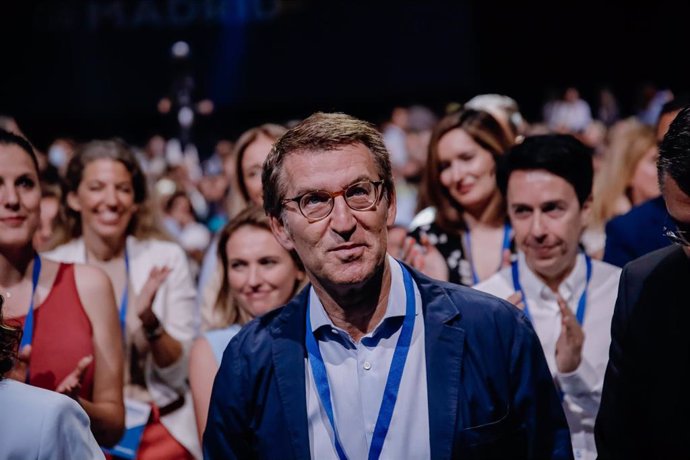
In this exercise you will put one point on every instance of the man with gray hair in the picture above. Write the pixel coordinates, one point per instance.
(373, 359)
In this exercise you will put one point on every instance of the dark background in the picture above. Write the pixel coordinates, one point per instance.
(97, 68)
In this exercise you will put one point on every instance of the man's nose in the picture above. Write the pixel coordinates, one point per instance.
(538, 227)
(343, 220)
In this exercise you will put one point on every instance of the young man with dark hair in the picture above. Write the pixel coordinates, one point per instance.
(568, 296)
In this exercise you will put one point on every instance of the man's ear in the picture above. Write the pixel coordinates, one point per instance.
(73, 202)
(391, 211)
(586, 212)
(282, 233)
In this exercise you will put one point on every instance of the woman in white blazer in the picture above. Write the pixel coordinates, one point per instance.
(111, 226)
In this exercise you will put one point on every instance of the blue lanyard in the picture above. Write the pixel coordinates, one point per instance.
(581, 304)
(506, 245)
(28, 335)
(123, 300)
(390, 394)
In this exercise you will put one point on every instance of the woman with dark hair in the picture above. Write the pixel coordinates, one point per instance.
(111, 226)
(464, 233)
(258, 276)
(71, 339)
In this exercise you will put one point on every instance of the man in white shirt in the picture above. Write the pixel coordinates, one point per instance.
(568, 296)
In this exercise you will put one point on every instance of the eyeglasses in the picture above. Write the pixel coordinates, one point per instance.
(676, 232)
(318, 204)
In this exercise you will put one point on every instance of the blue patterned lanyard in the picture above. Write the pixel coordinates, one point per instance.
(581, 304)
(28, 335)
(390, 394)
(506, 245)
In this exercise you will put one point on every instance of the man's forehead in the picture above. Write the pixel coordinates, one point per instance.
(328, 169)
(533, 183)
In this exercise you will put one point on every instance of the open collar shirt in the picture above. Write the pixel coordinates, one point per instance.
(357, 374)
(582, 387)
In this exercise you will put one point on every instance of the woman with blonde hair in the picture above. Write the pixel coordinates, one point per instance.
(627, 177)
(258, 275)
(245, 165)
(112, 227)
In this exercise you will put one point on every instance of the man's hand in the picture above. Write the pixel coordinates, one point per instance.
(569, 343)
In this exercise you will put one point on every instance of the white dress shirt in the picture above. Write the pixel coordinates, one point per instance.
(582, 387)
(357, 374)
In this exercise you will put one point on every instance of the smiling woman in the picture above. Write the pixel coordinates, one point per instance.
(67, 311)
(111, 227)
(258, 276)
(468, 238)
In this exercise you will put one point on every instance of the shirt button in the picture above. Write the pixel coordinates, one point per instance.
(366, 365)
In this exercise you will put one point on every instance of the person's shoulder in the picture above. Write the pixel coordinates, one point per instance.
(628, 220)
(472, 304)
(498, 284)
(605, 270)
(31, 399)
(643, 266)
(67, 252)
(155, 247)
(259, 333)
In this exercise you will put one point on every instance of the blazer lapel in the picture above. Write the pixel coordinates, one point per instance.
(444, 342)
(288, 361)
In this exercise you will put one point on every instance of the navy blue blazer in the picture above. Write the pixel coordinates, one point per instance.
(636, 233)
(490, 391)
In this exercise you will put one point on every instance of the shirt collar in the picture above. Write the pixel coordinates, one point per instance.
(534, 287)
(395, 307)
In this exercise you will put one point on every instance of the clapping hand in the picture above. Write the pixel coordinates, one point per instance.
(157, 276)
(424, 257)
(569, 343)
(71, 385)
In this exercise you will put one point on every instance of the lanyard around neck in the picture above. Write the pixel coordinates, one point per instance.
(125, 295)
(28, 335)
(505, 245)
(581, 304)
(390, 393)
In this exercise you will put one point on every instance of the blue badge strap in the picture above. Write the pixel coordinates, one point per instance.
(125, 295)
(390, 394)
(318, 369)
(28, 335)
(581, 304)
(506, 245)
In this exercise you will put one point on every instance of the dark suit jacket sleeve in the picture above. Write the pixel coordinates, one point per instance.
(607, 431)
(225, 437)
